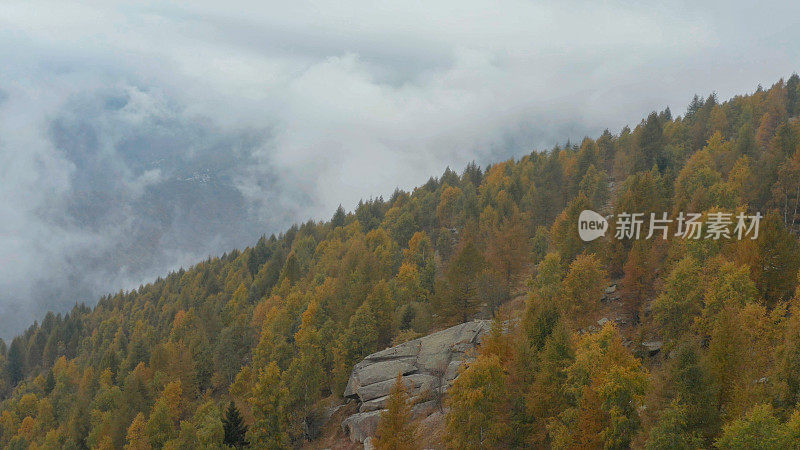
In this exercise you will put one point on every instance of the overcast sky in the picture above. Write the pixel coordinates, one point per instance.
(139, 137)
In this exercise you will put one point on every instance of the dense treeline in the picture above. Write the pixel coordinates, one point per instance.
(276, 328)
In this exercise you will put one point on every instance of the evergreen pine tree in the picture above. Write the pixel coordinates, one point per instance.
(50, 382)
(338, 217)
(651, 142)
(234, 427)
(793, 95)
(16, 362)
(461, 279)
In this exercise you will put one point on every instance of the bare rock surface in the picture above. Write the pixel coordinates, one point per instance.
(428, 364)
(362, 425)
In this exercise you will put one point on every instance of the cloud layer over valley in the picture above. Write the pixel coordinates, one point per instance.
(136, 138)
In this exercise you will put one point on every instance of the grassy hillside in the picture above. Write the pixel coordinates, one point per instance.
(276, 328)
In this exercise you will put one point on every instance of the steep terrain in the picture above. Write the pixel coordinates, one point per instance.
(280, 344)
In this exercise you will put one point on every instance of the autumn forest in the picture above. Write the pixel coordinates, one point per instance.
(613, 343)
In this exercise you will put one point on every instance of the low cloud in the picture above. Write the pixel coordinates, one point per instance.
(137, 138)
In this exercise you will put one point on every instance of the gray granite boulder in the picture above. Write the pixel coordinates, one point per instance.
(361, 426)
(428, 364)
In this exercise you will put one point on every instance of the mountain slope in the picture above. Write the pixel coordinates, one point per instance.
(277, 327)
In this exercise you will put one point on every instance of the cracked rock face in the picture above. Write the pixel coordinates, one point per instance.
(428, 364)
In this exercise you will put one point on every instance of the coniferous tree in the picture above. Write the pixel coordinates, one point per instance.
(688, 383)
(50, 382)
(270, 413)
(789, 360)
(672, 431)
(606, 384)
(746, 140)
(760, 428)
(680, 300)
(396, 431)
(137, 435)
(16, 361)
(478, 402)
(235, 429)
(651, 143)
(564, 231)
(460, 292)
(338, 217)
(793, 95)
(582, 289)
(778, 259)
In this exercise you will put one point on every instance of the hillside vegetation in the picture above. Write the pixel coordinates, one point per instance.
(276, 328)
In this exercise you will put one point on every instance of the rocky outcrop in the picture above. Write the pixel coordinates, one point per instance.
(652, 347)
(428, 365)
(362, 425)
